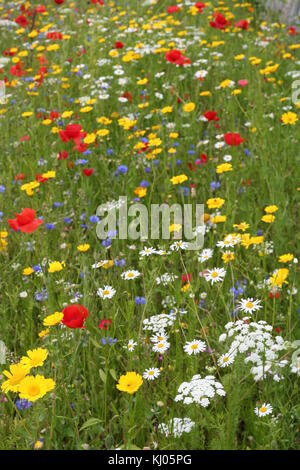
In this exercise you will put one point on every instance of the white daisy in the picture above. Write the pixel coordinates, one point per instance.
(205, 255)
(147, 251)
(180, 245)
(249, 305)
(225, 360)
(130, 275)
(215, 275)
(131, 345)
(151, 374)
(265, 409)
(194, 347)
(161, 347)
(106, 293)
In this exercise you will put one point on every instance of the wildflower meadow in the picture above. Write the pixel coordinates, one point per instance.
(149, 226)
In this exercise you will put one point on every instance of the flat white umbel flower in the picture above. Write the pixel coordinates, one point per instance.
(130, 275)
(215, 275)
(295, 367)
(194, 347)
(161, 347)
(176, 427)
(264, 410)
(199, 390)
(107, 292)
(151, 374)
(249, 305)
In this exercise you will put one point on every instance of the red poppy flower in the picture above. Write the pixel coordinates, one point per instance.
(17, 70)
(200, 6)
(211, 116)
(19, 177)
(185, 278)
(21, 20)
(119, 45)
(202, 159)
(72, 132)
(104, 324)
(128, 96)
(40, 9)
(74, 316)
(243, 82)
(63, 155)
(25, 222)
(233, 139)
(173, 9)
(54, 35)
(242, 24)
(59, 2)
(88, 171)
(292, 31)
(220, 21)
(175, 57)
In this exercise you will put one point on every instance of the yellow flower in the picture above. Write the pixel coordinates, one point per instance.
(86, 109)
(189, 107)
(102, 132)
(32, 388)
(29, 187)
(15, 375)
(143, 81)
(55, 266)
(289, 118)
(223, 168)
(268, 218)
(167, 109)
(54, 319)
(27, 114)
(66, 114)
(215, 203)
(27, 271)
(43, 333)
(279, 277)
(218, 219)
(35, 357)
(286, 258)
(84, 247)
(227, 256)
(140, 191)
(89, 139)
(175, 228)
(179, 179)
(242, 226)
(271, 209)
(130, 382)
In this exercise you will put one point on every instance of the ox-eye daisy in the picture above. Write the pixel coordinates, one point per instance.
(106, 293)
(215, 275)
(249, 305)
(264, 410)
(194, 347)
(151, 374)
(129, 275)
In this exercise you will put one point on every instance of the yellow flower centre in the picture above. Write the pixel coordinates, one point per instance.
(249, 305)
(263, 409)
(33, 390)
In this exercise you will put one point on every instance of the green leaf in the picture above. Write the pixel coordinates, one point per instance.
(2, 353)
(90, 422)
(113, 374)
(102, 375)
